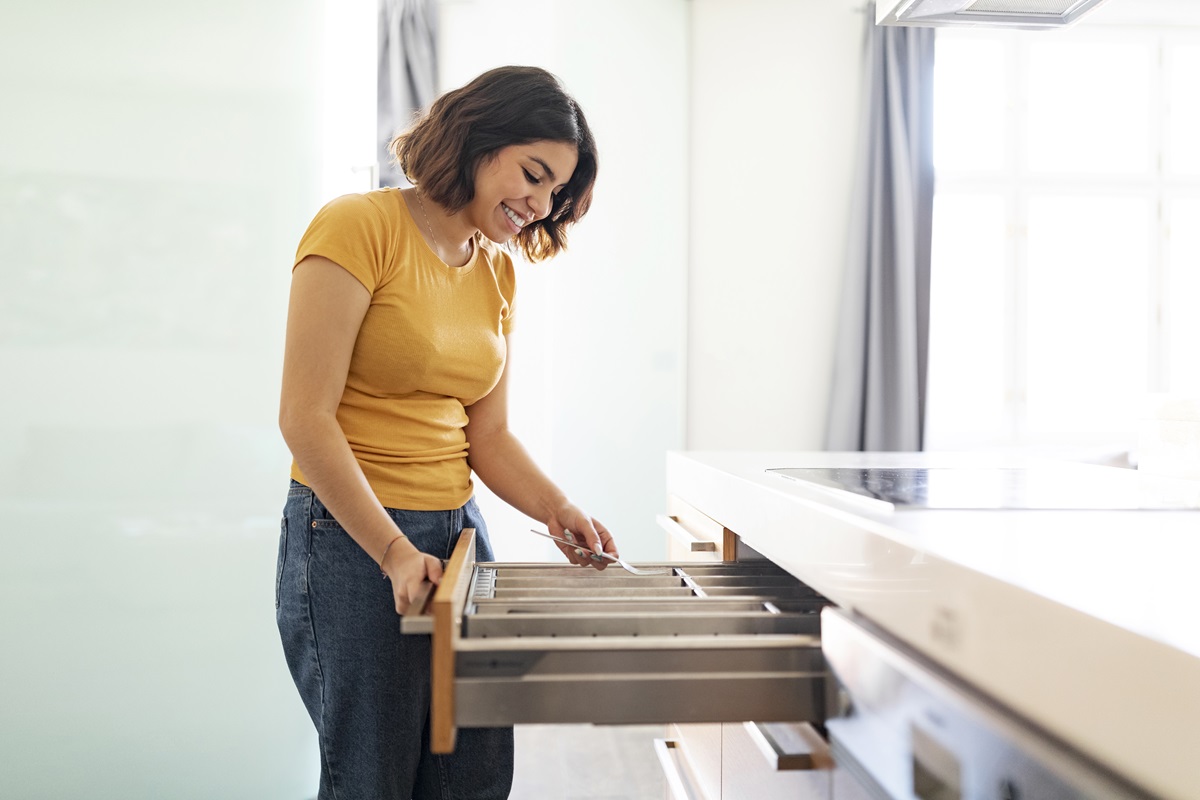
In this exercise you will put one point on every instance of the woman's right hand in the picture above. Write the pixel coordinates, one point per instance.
(407, 568)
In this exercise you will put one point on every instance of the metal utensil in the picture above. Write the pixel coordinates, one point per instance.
(624, 564)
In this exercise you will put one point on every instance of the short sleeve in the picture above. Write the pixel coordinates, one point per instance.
(506, 280)
(350, 231)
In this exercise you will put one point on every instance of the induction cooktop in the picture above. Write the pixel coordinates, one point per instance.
(1061, 486)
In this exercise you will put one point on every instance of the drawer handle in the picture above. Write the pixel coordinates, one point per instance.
(669, 758)
(791, 746)
(672, 526)
(417, 618)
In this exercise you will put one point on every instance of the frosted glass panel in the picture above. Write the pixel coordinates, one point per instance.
(1183, 261)
(970, 103)
(1087, 327)
(1183, 115)
(1089, 107)
(134, 261)
(967, 319)
(151, 196)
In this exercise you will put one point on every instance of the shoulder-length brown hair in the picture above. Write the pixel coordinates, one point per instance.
(504, 106)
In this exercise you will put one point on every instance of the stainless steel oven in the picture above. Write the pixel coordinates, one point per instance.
(915, 732)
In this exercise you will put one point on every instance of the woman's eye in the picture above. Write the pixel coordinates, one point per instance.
(529, 176)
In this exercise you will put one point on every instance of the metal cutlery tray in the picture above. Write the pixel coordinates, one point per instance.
(517, 643)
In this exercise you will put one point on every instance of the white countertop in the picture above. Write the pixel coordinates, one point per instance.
(1085, 621)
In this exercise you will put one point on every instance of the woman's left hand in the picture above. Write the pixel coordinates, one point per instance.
(588, 533)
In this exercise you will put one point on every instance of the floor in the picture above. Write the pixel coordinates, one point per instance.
(588, 762)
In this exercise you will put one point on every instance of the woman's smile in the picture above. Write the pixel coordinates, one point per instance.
(517, 186)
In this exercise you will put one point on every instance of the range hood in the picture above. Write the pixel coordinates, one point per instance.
(983, 13)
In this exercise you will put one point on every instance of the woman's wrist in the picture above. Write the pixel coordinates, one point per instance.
(555, 506)
(386, 551)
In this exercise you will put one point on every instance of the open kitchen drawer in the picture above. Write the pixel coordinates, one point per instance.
(517, 643)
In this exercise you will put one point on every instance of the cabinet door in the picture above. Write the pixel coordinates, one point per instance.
(694, 536)
(701, 748)
(847, 787)
(788, 761)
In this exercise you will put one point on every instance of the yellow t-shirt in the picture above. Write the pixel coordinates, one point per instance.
(432, 343)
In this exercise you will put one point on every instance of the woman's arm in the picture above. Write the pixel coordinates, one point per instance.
(501, 462)
(326, 309)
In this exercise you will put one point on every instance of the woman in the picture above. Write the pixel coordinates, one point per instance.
(394, 392)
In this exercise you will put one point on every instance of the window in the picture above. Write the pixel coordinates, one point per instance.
(1066, 255)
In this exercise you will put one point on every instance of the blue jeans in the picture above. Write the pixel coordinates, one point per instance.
(366, 685)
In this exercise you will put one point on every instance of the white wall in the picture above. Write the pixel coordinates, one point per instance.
(727, 137)
(598, 353)
(775, 88)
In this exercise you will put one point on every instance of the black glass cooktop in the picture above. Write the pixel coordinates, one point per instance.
(1066, 486)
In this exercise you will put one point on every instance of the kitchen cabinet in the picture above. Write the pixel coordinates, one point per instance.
(844, 786)
(694, 537)
(727, 760)
(1035, 605)
(699, 750)
(748, 771)
(739, 760)
(714, 641)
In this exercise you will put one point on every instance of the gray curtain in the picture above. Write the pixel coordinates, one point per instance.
(407, 72)
(878, 396)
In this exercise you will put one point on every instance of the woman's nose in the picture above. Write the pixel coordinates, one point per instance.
(540, 206)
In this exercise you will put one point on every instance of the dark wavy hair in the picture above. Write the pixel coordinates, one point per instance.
(504, 106)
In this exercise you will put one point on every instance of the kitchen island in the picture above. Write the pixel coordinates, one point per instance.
(1080, 620)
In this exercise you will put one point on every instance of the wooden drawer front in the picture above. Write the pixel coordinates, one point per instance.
(529, 643)
(693, 536)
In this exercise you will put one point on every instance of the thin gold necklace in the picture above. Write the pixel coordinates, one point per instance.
(428, 224)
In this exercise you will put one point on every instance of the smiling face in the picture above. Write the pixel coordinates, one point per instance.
(517, 186)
